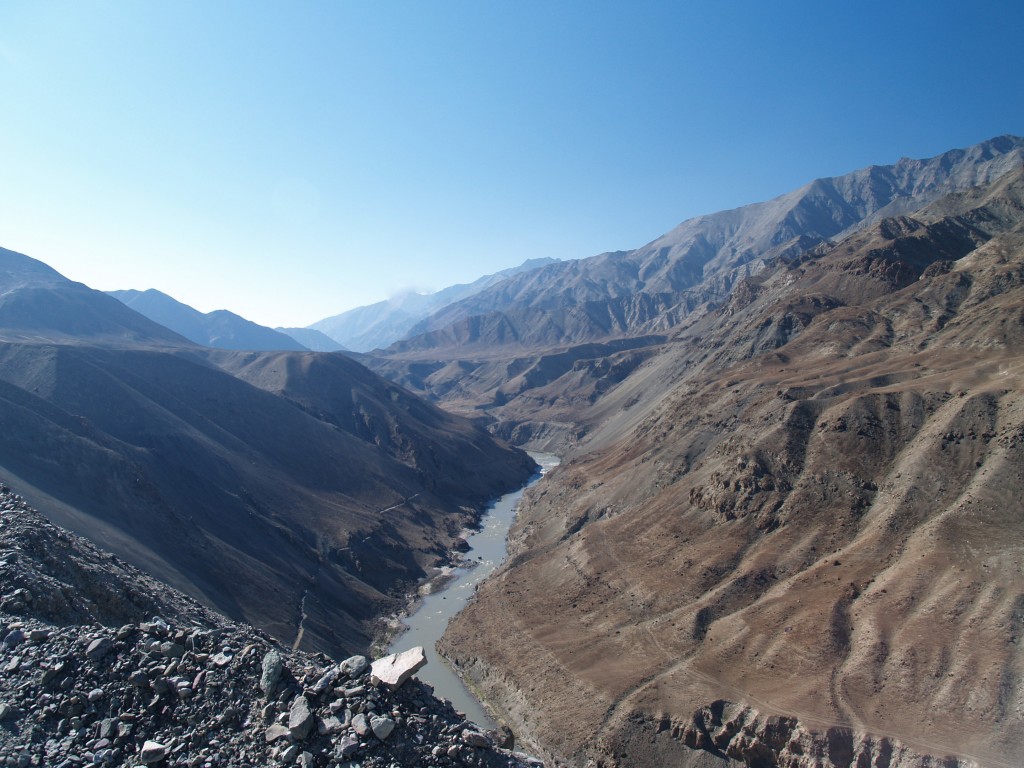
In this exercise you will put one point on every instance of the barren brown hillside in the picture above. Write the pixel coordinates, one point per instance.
(808, 547)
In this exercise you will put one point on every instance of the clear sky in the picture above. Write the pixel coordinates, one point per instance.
(291, 160)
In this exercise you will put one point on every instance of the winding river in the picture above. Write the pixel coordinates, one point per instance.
(488, 548)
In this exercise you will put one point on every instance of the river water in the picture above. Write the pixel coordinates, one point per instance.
(488, 548)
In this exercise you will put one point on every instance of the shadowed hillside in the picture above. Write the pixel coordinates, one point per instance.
(219, 329)
(306, 522)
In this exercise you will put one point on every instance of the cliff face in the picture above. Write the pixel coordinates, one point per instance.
(814, 513)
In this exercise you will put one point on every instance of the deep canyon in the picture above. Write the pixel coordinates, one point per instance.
(787, 527)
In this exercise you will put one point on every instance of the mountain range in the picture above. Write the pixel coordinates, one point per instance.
(785, 529)
(220, 329)
(380, 325)
(295, 491)
(788, 531)
(650, 289)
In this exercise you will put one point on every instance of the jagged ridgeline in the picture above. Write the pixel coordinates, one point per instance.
(791, 533)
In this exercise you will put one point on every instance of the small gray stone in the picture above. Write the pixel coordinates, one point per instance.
(324, 682)
(157, 627)
(361, 725)
(329, 725)
(221, 659)
(275, 732)
(382, 726)
(289, 754)
(172, 650)
(14, 638)
(99, 648)
(347, 745)
(300, 718)
(354, 666)
(39, 635)
(306, 760)
(108, 728)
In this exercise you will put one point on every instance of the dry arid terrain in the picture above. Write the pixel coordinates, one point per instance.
(795, 535)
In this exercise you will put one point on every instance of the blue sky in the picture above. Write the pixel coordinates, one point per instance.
(290, 160)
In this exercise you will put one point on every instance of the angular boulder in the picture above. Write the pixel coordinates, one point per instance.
(152, 752)
(395, 669)
(381, 726)
(300, 718)
(273, 666)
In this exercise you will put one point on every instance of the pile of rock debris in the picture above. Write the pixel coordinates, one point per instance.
(190, 688)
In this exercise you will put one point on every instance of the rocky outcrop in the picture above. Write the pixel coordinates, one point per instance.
(744, 735)
(93, 678)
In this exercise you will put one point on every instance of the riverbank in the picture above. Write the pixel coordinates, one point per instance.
(444, 595)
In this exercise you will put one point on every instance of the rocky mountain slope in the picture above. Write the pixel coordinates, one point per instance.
(541, 383)
(103, 665)
(220, 329)
(652, 288)
(792, 535)
(305, 510)
(379, 325)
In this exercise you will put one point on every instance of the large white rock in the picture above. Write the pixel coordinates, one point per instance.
(152, 752)
(395, 669)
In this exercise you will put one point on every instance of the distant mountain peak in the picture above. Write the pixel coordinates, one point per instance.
(379, 325)
(649, 289)
(221, 328)
(38, 304)
(16, 266)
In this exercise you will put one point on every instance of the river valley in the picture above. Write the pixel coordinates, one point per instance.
(488, 548)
